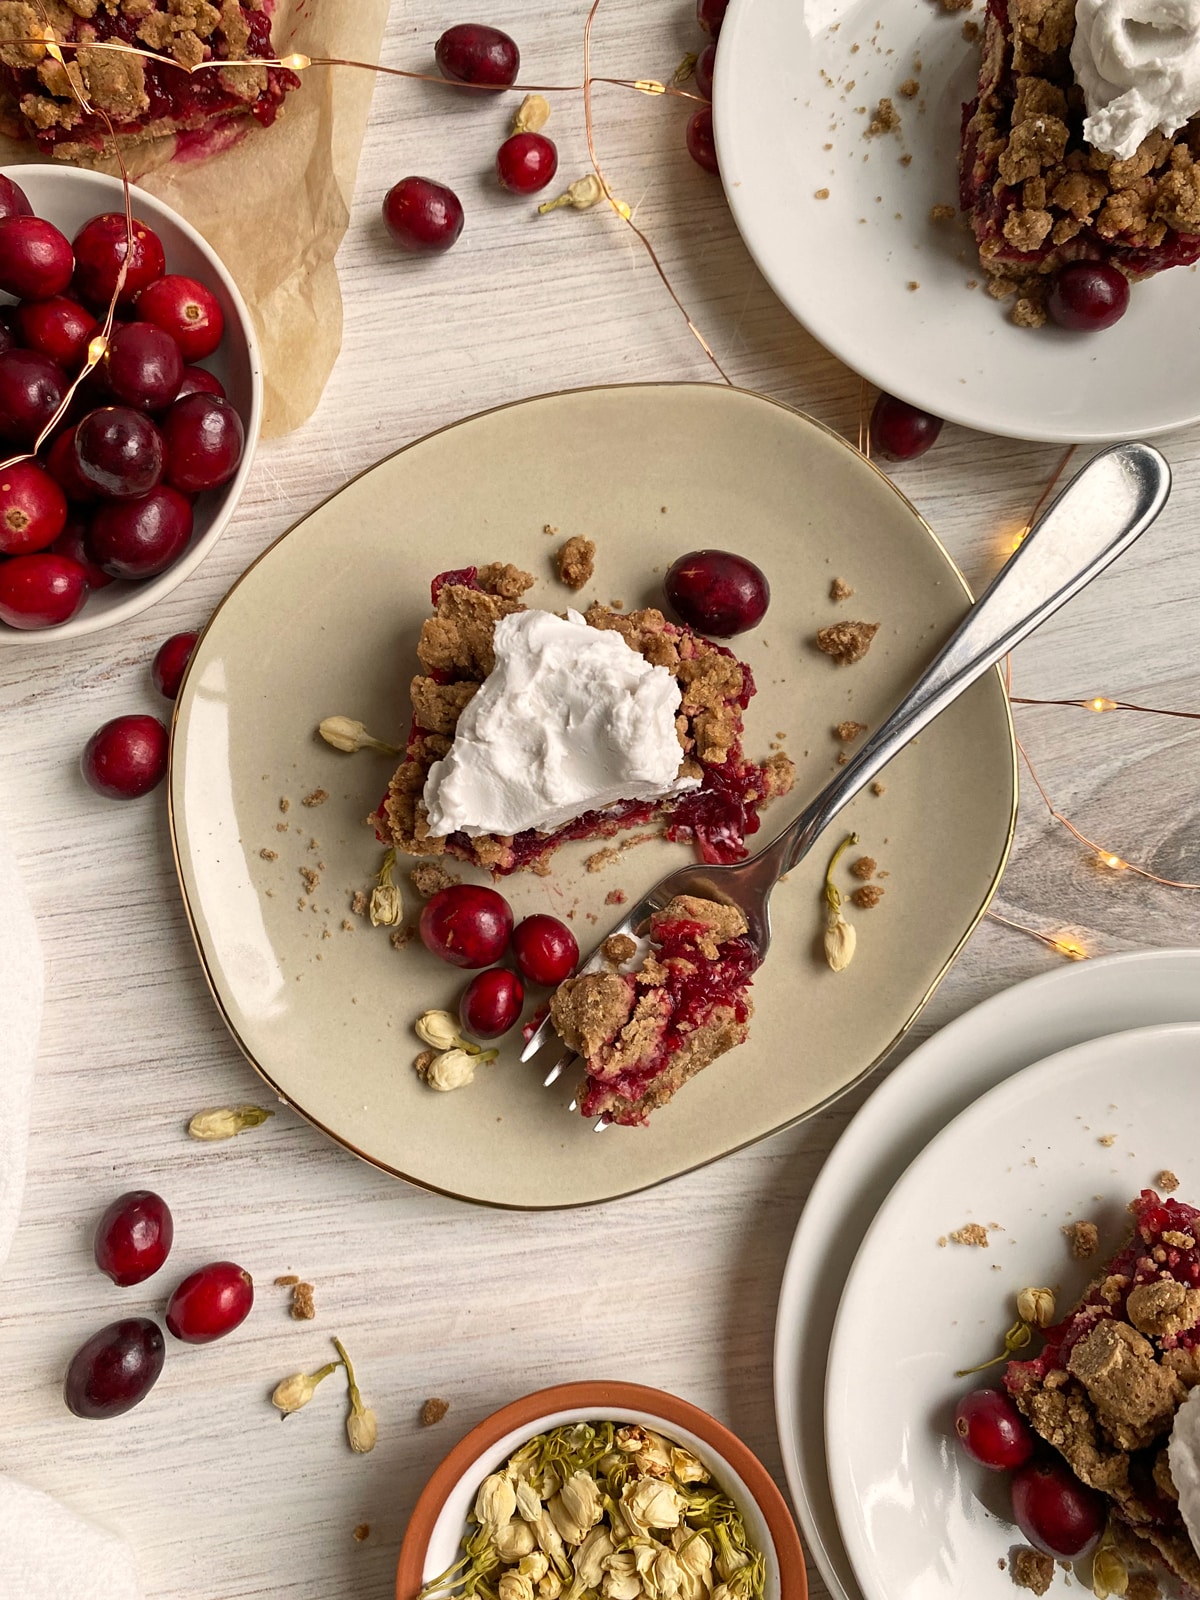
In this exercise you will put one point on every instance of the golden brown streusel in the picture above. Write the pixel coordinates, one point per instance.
(868, 896)
(401, 938)
(433, 1411)
(839, 589)
(1031, 1569)
(615, 897)
(269, 855)
(429, 877)
(864, 867)
(1167, 1181)
(1084, 1238)
(317, 798)
(942, 213)
(885, 119)
(302, 1307)
(847, 732)
(846, 642)
(362, 1532)
(618, 948)
(576, 561)
(286, 1280)
(971, 1233)
(910, 88)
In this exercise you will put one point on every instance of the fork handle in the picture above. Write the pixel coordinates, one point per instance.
(1099, 514)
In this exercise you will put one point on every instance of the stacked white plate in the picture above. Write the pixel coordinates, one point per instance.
(1055, 1101)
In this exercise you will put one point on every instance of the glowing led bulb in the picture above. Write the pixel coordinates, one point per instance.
(1100, 704)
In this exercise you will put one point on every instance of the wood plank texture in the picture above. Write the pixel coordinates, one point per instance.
(677, 1287)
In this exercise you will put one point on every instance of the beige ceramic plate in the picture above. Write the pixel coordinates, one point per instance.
(326, 621)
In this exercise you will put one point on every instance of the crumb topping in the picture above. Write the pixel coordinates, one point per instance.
(846, 642)
(865, 867)
(869, 895)
(971, 1233)
(576, 561)
(1031, 1569)
(847, 732)
(619, 948)
(429, 877)
(433, 1411)
(839, 590)
(1084, 1238)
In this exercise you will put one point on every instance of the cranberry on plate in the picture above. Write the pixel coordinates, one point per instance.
(1056, 1512)
(101, 246)
(717, 592)
(1087, 296)
(127, 757)
(170, 663)
(992, 1431)
(210, 1303)
(491, 1003)
(526, 162)
(33, 509)
(40, 590)
(115, 1369)
(466, 925)
(546, 950)
(141, 538)
(423, 217)
(187, 310)
(475, 53)
(133, 1237)
(204, 437)
(35, 258)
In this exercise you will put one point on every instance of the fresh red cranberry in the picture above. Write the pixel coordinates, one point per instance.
(526, 162)
(198, 380)
(204, 438)
(35, 258)
(33, 509)
(706, 61)
(545, 949)
(1056, 1512)
(127, 757)
(133, 1237)
(72, 543)
(119, 452)
(210, 1303)
(491, 1003)
(13, 200)
(100, 249)
(31, 391)
(901, 432)
(992, 1431)
(701, 142)
(188, 311)
(141, 538)
(170, 663)
(466, 926)
(59, 328)
(41, 590)
(62, 467)
(142, 366)
(473, 52)
(1086, 296)
(115, 1369)
(422, 216)
(710, 14)
(717, 592)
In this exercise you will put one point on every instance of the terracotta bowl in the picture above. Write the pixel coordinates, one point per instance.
(431, 1543)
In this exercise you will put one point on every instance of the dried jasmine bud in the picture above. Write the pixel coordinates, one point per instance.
(386, 908)
(440, 1029)
(583, 193)
(686, 70)
(225, 1122)
(1110, 1575)
(532, 114)
(496, 1502)
(299, 1389)
(1036, 1306)
(514, 1540)
(840, 937)
(362, 1430)
(453, 1069)
(345, 733)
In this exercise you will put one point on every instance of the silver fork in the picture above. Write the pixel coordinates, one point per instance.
(1100, 513)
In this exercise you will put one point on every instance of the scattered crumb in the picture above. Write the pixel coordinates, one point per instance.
(839, 589)
(401, 938)
(317, 798)
(842, 758)
(549, 527)
(912, 284)
(906, 159)
(1030, 1568)
(970, 31)
(821, 194)
(1084, 1237)
(1167, 1181)
(599, 859)
(287, 1280)
(311, 878)
(302, 904)
(422, 1063)
(576, 561)
(429, 877)
(886, 119)
(847, 732)
(878, 788)
(942, 1241)
(284, 803)
(302, 1307)
(618, 948)
(360, 902)
(363, 1531)
(972, 1233)
(615, 897)
(910, 88)
(269, 855)
(281, 827)
(864, 867)
(869, 895)
(942, 213)
(433, 1411)
(347, 925)
(846, 642)
(1108, 1140)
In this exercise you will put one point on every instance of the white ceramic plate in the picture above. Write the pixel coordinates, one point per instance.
(1070, 1138)
(789, 126)
(327, 621)
(965, 1059)
(68, 197)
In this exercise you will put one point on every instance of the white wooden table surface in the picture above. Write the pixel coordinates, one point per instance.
(676, 1287)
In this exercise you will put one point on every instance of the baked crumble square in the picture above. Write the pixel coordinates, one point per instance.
(144, 99)
(456, 655)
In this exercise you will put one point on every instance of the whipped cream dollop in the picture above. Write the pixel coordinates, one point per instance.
(1183, 1457)
(569, 720)
(1138, 64)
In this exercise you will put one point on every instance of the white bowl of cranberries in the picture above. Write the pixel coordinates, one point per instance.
(136, 480)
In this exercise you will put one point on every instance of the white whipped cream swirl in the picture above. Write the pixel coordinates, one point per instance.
(569, 720)
(1138, 64)
(1183, 1457)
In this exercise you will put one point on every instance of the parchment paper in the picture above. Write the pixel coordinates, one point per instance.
(276, 204)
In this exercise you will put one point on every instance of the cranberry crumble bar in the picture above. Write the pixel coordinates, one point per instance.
(1038, 194)
(144, 99)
